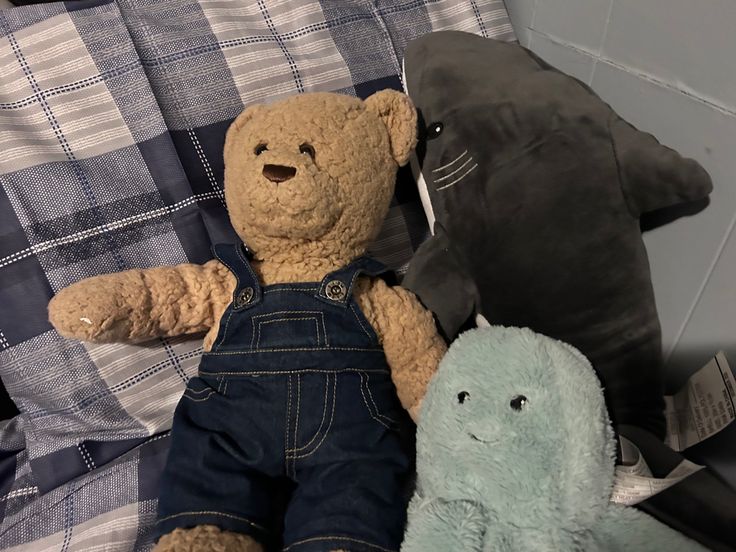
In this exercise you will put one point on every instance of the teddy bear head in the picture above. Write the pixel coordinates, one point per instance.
(516, 421)
(312, 176)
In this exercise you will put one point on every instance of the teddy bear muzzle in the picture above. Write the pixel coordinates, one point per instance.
(278, 173)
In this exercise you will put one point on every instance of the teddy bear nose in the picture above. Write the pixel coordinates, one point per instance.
(278, 173)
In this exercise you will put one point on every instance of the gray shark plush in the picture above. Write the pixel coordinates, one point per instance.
(515, 452)
(535, 187)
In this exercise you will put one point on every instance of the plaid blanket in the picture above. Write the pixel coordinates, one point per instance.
(112, 122)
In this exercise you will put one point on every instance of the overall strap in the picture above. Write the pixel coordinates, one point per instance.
(337, 287)
(235, 257)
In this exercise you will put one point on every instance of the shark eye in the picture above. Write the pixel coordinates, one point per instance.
(462, 396)
(434, 130)
(518, 402)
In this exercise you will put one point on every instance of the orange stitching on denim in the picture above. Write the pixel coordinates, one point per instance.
(286, 312)
(324, 330)
(206, 398)
(258, 341)
(295, 349)
(231, 269)
(373, 402)
(321, 423)
(303, 371)
(224, 332)
(266, 315)
(310, 290)
(227, 322)
(296, 423)
(337, 538)
(286, 425)
(211, 513)
(197, 391)
(329, 426)
(357, 273)
(357, 318)
(365, 401)
(260, 324)
(239, 251)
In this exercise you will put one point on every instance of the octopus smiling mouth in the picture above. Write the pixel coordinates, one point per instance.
(482, 440)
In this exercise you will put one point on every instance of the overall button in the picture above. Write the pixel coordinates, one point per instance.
(244, 297)
(336, 290)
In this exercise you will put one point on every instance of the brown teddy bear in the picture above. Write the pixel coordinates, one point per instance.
(309, 356)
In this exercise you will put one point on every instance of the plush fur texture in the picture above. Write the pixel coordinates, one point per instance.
(345, 152)
(492, 477)
(206, 538)
(537, 187)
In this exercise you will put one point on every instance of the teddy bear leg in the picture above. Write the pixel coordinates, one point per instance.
(206, 538)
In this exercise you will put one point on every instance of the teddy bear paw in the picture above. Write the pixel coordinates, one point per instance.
(206, 538)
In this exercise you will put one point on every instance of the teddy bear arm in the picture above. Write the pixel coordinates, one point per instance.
(191, 299)
(409, 337)
(141, 304)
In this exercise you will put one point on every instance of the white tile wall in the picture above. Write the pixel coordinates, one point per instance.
(669, 67)
(680, 253)
(521, 14)
(690, 44)
(566, 59)
(560, 18)
(711, 326)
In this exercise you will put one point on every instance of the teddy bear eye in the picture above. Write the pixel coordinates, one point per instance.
(462, 396)
(307, 149)
(260, 148)
(518, 402)
(434, 130)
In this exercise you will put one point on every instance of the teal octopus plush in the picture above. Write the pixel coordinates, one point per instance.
(515, 452)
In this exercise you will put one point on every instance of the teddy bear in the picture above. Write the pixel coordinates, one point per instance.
(515, 451)
(309, 354)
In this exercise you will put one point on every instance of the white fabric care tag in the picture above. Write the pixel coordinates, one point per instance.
(704, 405)
(633, 481)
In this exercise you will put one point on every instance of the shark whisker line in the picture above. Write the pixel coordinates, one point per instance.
(455, 171)
(458, 179)
(443, 167)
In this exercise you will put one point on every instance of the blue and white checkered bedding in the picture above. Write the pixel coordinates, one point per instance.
(112, 121)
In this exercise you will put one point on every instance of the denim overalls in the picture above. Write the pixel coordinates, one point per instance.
(295, 393)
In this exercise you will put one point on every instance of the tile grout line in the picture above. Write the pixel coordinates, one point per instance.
(533, 22)
(726, 110)
(604, 35)
(701, 288)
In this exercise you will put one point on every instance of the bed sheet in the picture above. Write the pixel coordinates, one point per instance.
(112, 121)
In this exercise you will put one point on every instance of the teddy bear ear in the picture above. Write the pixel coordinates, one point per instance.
(397, 112)
(238, 123)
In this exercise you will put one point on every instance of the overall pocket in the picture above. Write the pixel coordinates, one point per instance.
(288, 329)
(379, 398)
(199, 390)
